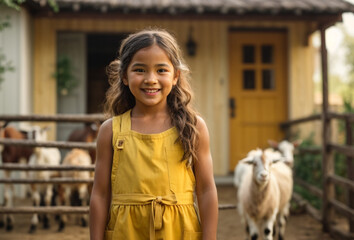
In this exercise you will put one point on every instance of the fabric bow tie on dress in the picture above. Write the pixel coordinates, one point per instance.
(156, 206)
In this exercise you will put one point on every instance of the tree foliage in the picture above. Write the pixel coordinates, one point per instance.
(348, 42)
(16, 4)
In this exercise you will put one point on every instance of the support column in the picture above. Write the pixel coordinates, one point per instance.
(327, 157)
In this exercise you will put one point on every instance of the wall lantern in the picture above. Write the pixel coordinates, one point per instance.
(191, 44)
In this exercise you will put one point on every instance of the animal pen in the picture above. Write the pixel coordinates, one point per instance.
(326, 194)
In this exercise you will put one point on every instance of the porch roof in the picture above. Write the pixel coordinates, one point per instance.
(238, 7)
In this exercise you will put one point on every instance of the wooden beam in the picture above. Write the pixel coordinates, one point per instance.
(51, 210)
(25, 167)
(48, 144)
(327, 158)
(300, 120)
(340, 234)
(312, 189)
(45, 181)
(346, 150)
(313, 212)
(346, 183)
(342, 209)
(344, 116)
(82, 118)
(350, 167)
(310, 150)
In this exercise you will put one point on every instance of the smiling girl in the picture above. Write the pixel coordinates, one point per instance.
(153, 154)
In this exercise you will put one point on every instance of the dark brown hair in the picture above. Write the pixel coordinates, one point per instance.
(119, 99)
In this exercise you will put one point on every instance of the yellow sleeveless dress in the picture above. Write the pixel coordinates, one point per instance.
(152, 189)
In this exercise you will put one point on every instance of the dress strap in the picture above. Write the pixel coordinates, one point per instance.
(120, 123)
(116, 127)
(126, 121)
(155, 202)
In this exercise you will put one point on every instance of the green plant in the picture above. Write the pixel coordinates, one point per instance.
(308, 167)
(16, 4)
(5, 65)
(66, 81)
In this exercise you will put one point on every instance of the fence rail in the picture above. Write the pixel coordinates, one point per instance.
(48, 144)
(81, 118)
(25, 167)
(327, 194)
(45, 181)
(68, 210)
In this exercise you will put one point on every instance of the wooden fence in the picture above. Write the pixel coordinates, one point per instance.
(330, 179)
(58, 144)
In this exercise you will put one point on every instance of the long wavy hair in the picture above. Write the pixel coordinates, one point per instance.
(119, 99)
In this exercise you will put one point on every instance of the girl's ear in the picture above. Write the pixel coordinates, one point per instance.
(175, 79)
(125, 81)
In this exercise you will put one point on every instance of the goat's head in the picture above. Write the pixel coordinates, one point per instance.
(261, 162)
(286, 148)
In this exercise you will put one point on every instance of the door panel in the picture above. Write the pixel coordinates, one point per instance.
(73, 46)
(258, 85)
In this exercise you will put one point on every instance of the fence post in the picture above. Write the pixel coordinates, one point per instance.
(327, 158)
(350, 166)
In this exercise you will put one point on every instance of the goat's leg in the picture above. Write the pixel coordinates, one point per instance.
(36, 202)
(8, 202)
(267, 227)
(47, 202)
(64, 218)
(253, 233)
(83, 195)
(282, 219)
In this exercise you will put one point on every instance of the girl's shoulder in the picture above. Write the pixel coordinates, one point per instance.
(201, 124)
(105, 132)
(106, 126)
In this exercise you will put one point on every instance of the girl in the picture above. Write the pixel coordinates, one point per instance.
(153, 154)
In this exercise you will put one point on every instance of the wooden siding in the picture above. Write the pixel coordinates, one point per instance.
(209, 67)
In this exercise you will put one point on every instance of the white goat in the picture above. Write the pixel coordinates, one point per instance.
(42, 156)
(286, 148)
(75, 157)
(259, 196)
(283, 174)
(242, 167)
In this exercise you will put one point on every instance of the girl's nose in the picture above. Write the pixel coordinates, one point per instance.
(150, 79)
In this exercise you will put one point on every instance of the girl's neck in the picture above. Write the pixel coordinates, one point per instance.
(150, 121)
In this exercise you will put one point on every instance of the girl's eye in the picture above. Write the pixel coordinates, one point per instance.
(162, 70)
(138, 70)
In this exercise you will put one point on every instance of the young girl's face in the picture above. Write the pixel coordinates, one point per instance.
(150, 77)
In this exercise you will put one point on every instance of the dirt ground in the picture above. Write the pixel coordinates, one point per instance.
(300, 226)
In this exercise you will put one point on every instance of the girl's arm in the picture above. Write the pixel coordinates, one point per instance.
(101, 191)
(205, 185)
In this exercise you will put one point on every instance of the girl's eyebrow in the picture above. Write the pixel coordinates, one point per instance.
(144, 65)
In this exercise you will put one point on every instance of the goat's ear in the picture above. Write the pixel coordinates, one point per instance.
(247, 160)
(273, 143)
(297, 143)
(275, 160)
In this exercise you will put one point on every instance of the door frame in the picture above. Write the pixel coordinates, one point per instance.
(285, 90)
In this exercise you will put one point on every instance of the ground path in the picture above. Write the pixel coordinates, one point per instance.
(300, 226)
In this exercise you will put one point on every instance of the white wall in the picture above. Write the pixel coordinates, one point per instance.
(15, 90)
(15, 42)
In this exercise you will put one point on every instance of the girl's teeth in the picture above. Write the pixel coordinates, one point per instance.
(151, 91)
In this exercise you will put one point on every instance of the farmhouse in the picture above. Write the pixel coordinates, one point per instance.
(252, 61)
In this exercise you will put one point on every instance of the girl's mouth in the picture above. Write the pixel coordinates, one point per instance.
(151, 91)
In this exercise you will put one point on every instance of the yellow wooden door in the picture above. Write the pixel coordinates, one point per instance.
(258, 90)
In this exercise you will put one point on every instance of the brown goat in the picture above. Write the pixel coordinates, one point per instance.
(12, 154)
(86, 134)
